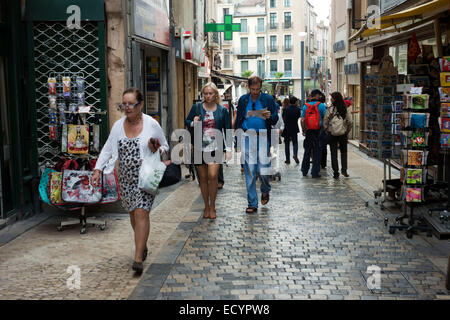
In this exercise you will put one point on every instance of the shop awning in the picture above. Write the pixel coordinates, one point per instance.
(424, 12)
(226, 87)
(228, 76)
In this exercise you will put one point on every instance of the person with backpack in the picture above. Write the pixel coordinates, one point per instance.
(338, 124)
(313, 114)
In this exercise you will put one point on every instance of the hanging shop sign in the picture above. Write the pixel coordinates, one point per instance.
(151, 20)
(191, 50)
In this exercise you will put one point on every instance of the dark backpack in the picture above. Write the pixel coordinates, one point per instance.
(312, 116)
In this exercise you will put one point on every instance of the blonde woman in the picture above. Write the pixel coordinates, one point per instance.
(212, 116)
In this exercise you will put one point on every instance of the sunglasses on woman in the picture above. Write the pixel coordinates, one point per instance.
(123, 106)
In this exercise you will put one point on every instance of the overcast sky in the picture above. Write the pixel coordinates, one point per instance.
(322, 8)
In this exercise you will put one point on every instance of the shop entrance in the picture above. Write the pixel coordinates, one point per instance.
(6, 202)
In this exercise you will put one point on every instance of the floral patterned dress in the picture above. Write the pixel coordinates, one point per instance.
(129, 165)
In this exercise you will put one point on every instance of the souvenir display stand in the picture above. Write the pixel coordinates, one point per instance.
(443, 227)
(69, 188)
(380, 123)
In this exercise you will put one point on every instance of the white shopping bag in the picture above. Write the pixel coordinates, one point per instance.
(151, 173)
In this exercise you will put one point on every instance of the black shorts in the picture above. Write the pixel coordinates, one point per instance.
(208, 155)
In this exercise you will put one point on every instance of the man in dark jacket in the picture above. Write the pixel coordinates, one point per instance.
(291, 130)
(256, 140)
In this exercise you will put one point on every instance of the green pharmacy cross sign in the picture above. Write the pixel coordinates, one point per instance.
(228, 27)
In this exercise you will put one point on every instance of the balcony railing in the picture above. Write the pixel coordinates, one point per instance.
(287, 48)
(252, 50)
(288, 74)
(244, 29)
(273, 26)
(287, 25)
(272, 49)
(260, 29)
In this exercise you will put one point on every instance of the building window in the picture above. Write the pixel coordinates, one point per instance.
(288, 43)
(273, 3)
(244, 66)
(226, 11)
(261, 68)
(273, 43)
(261, 44)
(244, 45)
(288, 66)
(273, 21)
(260, 27)
(287, 3)
(244, 27)
(227, 59)
(287, 20)
(273, 66)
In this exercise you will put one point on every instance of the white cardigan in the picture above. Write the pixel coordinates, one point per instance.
(110, 152)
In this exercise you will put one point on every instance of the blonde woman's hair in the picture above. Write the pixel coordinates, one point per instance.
(214, 87)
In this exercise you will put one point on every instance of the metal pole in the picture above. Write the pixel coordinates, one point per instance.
(314, 62)
(302, 50)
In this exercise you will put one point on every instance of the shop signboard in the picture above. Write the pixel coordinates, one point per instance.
(151, 20)
(387, 5)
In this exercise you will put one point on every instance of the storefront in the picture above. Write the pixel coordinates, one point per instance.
(190, 60)
(17, 164)
(148, 60)
(352, 73)
(404, 103)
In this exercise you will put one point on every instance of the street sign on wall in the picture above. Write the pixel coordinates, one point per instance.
(151, 20)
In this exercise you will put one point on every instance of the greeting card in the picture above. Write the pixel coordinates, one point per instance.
(444, 94)
(445, 109)
(445, 125)
(420, 101)
(444, 63)
(413, 194)
(414, 176)
(419, 139)
(415, 158)
(445, 79)
(445, 140)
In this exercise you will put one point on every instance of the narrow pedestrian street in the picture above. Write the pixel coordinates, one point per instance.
(314, 240)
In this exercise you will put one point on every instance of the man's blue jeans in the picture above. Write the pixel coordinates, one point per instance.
(256, 162)
(312, 142)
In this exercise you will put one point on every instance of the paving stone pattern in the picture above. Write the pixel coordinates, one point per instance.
(314, 240)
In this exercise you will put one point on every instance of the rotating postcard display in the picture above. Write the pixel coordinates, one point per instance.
(382, 123)
(444, 96)
(414, 122)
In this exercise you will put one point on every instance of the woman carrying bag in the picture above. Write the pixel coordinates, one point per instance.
(132, 138)
(337, 125)
(213, 118)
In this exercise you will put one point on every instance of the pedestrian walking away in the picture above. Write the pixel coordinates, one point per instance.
(256, 140)
(291, 130)
(338, 124)
(313, 114)
(212, 118)
(131, 139)
(323, 140)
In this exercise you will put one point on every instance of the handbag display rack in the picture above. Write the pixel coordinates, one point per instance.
(78, 139)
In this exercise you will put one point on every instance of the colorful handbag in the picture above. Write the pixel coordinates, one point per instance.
(110, 191)
(55, 187)
(43, 185)
(77, 187)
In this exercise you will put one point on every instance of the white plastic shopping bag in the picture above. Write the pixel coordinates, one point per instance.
(151, 173)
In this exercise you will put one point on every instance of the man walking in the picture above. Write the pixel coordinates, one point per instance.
(291, 116)
(256, 139)
(312, 123)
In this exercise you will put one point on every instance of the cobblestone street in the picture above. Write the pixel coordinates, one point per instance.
(314, 240)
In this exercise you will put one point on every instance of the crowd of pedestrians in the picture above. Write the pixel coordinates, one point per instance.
(258, 115)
